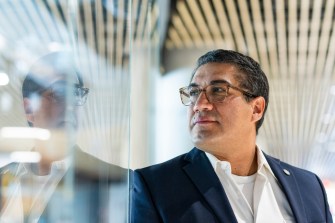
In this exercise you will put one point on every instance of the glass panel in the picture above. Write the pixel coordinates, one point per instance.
(70, 163)
(144, 65)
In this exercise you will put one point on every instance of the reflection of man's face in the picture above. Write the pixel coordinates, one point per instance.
(55, 107)
(53, 93)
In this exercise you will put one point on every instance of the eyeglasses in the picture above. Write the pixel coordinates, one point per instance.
(58, 94)
(216, 92)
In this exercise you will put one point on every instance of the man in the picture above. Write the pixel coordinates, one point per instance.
(66, 185)
(226, 177)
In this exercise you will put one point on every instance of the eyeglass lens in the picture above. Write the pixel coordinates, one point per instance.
(214, 93)
(59, 94)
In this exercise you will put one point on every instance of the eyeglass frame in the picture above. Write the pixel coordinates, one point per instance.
(182, 91)
(76, 86)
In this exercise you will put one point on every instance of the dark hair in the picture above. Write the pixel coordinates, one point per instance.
(252, 78)
(31, 84)
(58, 62)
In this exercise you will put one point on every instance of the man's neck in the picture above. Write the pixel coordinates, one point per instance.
(243, 163)
(245, 166)
(41, 168)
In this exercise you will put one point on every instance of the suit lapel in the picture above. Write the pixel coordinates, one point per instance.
(289, 186)
(204, 178)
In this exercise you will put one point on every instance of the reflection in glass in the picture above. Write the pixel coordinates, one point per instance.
(77, 57)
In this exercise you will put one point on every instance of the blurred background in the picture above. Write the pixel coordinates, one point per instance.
(134, 55)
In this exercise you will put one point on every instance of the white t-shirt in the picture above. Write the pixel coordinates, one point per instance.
(257, 198)
(28, 193)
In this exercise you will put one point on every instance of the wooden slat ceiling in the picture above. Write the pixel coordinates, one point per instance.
(97, 30)
(293, 40)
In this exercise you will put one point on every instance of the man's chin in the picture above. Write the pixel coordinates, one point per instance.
(205, 143)
(201, 137)
(200, 144)
(57, 147)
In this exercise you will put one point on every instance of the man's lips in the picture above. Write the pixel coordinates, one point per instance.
(67, 123)
(203, 121)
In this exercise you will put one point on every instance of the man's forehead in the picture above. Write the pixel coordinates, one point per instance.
(46, 75)
(43, 71)
(208, 76)
(217, 68)
(53, 66)
(47, 81)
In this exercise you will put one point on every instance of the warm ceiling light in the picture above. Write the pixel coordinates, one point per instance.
(4, 80)
(25, 157)
(25, 133)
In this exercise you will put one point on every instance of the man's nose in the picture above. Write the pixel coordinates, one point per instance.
(202, 103)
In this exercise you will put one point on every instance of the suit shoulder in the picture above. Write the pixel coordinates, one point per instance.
(10, 167)
(89, 166)
(297, 171)
(161, 168)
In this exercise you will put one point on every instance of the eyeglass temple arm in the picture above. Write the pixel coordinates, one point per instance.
(184, 93)
(243, 91)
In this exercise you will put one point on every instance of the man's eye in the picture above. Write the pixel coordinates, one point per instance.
(59, 93)
(194, 92)
(218, 90)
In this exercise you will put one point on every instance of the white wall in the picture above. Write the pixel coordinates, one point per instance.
(171, 132)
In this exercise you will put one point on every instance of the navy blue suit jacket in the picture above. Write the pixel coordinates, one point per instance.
(186, 189)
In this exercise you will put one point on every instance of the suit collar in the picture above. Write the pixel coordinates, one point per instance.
(202, 174)
(13, 169)
(210, 187)
(288, 183)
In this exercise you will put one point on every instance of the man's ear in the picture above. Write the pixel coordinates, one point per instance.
(258, 105)
(28, 109)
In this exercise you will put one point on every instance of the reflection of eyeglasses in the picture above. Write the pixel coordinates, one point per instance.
(58, 94)
(216, 92)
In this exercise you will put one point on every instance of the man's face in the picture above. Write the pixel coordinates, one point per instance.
(54, 108)
(214, 125)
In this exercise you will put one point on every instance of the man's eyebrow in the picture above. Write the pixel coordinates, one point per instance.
(219, 82)
(193, 85)
(212, 82)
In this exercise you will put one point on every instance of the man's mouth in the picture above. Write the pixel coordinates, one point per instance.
(67, 123)
(203, 120)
